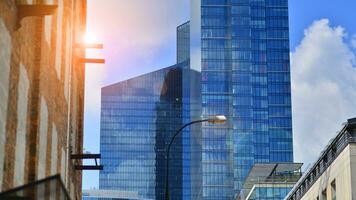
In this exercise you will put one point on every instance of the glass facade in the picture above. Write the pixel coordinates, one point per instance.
(245, 69)
(183, 42)
(108, 195)
(138, 118)
(233, 59)
(192, 177)
(183, 59)
(270, 192)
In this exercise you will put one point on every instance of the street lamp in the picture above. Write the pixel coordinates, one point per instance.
(217, 119)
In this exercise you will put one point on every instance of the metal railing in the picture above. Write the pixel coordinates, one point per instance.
(328, 156)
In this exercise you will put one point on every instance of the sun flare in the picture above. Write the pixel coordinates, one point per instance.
(90, 38)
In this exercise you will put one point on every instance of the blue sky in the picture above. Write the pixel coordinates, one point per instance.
(139, 37)
(304, 12)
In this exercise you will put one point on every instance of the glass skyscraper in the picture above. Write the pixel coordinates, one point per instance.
(232, 59)
(242, 50)
(139, 117)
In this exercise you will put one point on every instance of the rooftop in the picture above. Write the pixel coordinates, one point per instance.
(336, 145)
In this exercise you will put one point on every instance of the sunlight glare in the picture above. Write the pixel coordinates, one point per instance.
(90, 38)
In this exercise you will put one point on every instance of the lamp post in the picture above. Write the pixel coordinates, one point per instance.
(217, 119)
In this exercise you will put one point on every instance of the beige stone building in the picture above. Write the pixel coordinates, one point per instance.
(333, 176)
(41, 91)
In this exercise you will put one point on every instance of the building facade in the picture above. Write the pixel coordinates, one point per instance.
(109, 195)
(139, 117)
(41, 91)
(270, 181)
(333, 175)
(268, 191)
(191, 79)
(242, 50)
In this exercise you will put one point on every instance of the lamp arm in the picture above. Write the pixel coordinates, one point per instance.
(175, 135)
(169, 148)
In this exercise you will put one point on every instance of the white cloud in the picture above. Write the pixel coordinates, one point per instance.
(323, 88)
(353, 41)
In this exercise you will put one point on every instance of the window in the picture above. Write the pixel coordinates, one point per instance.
(240, 21)
(240, 10)
(214, 2)
(333, 190)
(214, 11)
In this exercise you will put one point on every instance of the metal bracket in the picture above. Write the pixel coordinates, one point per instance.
(92, 60)
(87, 156)
(92, 46)
(36, 10)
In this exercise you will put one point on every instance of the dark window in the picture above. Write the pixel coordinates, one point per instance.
(323, 195)
(333, 190)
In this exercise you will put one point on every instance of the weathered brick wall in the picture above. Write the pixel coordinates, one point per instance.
(41, 93)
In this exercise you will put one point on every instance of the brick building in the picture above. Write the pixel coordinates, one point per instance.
(41, 91)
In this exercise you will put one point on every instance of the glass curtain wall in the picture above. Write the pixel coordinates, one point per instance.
(216, 64)
(270, 192)
(138, 118)
(245, 76)
(191, 111)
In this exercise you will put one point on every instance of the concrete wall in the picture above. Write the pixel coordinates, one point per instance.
(41, 93)
(353, 170)
(343, 171)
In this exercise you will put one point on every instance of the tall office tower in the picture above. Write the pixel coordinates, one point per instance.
(242, 50)
(183, 59)
(191, 111)
(183, 41)
(138, 116)
(41, 98)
